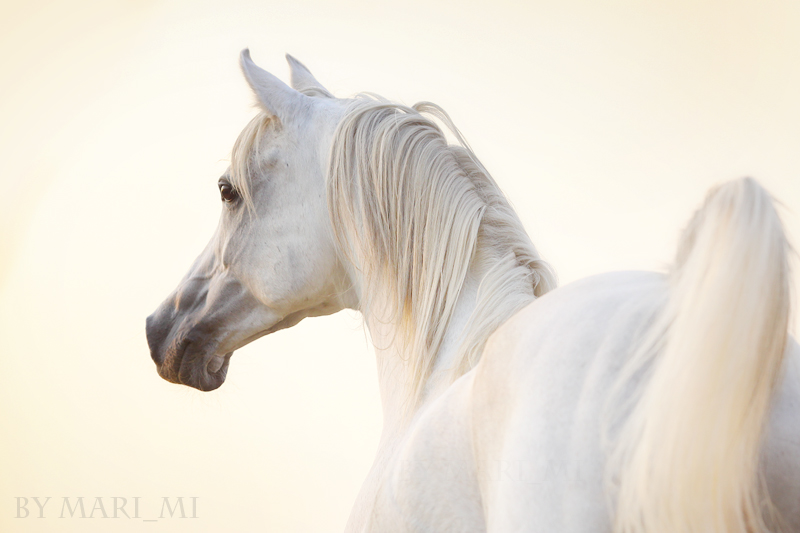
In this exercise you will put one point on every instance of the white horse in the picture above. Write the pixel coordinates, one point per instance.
(632, 402)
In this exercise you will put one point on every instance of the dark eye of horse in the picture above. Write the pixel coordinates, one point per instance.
(227, 191)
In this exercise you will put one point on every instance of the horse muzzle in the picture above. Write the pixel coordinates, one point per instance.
(187, 356)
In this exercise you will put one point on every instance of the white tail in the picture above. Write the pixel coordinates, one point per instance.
(688, 455)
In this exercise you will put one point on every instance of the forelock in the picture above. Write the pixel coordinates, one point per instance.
(245, 156)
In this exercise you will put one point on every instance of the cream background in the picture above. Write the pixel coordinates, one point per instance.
(605, 123)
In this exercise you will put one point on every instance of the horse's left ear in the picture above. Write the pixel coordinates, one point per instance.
(304, 81)
(275, 97)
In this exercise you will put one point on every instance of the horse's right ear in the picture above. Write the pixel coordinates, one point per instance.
(274, 96)
(304, 81)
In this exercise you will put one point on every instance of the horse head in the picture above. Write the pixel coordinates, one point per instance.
(272, 260)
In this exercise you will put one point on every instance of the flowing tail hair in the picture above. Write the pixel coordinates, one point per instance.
(686, 458)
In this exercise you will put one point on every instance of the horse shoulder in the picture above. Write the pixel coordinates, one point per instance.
(537, 401)
(564, 330)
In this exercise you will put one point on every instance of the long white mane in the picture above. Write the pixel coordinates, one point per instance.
(412, 212)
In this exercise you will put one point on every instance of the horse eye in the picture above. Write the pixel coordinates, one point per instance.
(227, 192)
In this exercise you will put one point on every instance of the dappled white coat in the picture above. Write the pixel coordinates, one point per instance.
(629, 401)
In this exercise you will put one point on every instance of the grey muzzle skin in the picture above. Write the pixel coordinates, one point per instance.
(193, 333)
(186, 357)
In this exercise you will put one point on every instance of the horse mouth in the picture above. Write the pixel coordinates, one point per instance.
(198, 356)
(185, 364)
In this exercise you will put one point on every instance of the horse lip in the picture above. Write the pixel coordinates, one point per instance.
(194, 362)
(192, 368)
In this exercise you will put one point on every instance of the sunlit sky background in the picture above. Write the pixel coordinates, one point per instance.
(605, 122)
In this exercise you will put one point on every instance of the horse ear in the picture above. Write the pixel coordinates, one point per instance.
(304, 81)
(275, 97)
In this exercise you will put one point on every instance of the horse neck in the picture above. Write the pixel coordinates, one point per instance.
(393, 369)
